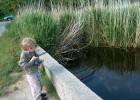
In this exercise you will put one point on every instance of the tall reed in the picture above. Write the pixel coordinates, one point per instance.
(117, 24)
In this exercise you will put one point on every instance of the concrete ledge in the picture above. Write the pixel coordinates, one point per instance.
(67, 85)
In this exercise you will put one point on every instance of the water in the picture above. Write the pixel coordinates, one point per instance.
(113, 74)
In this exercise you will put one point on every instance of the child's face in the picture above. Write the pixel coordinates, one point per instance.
(30, 49)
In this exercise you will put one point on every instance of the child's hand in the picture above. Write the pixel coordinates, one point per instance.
(42, 60)
(33, 58)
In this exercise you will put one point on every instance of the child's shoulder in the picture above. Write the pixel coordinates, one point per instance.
(23, 53)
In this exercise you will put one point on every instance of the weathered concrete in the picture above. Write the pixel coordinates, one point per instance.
(67, 85)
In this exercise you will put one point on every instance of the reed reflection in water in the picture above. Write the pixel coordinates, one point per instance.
(114, 74)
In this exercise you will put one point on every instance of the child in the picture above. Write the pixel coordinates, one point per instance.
(28, 62)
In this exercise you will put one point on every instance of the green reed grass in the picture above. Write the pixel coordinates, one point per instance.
(64, 30)
(8, 63)
(116, 24)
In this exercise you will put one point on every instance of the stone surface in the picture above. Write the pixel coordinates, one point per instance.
(67, 85)
(21, 91)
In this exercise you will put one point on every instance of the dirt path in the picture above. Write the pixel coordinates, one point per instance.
(2, 27)
(21, 91)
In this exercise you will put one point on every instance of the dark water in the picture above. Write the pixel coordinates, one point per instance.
(113, 74)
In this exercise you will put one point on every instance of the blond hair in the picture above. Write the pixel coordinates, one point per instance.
(28, 43)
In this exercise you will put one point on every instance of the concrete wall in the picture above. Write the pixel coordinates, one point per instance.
(67, 85)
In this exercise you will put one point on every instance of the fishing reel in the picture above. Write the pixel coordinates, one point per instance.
(38, 61)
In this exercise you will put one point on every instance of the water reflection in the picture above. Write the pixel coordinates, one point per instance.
(114, 74)
(118, 60)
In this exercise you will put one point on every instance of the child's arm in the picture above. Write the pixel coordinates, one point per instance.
(33, 58)
(24, 63)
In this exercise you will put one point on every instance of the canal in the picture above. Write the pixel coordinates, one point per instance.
(113, 74)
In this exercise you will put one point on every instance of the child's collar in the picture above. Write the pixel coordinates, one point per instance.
(28, 51)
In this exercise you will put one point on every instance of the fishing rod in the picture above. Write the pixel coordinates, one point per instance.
(42, 53)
